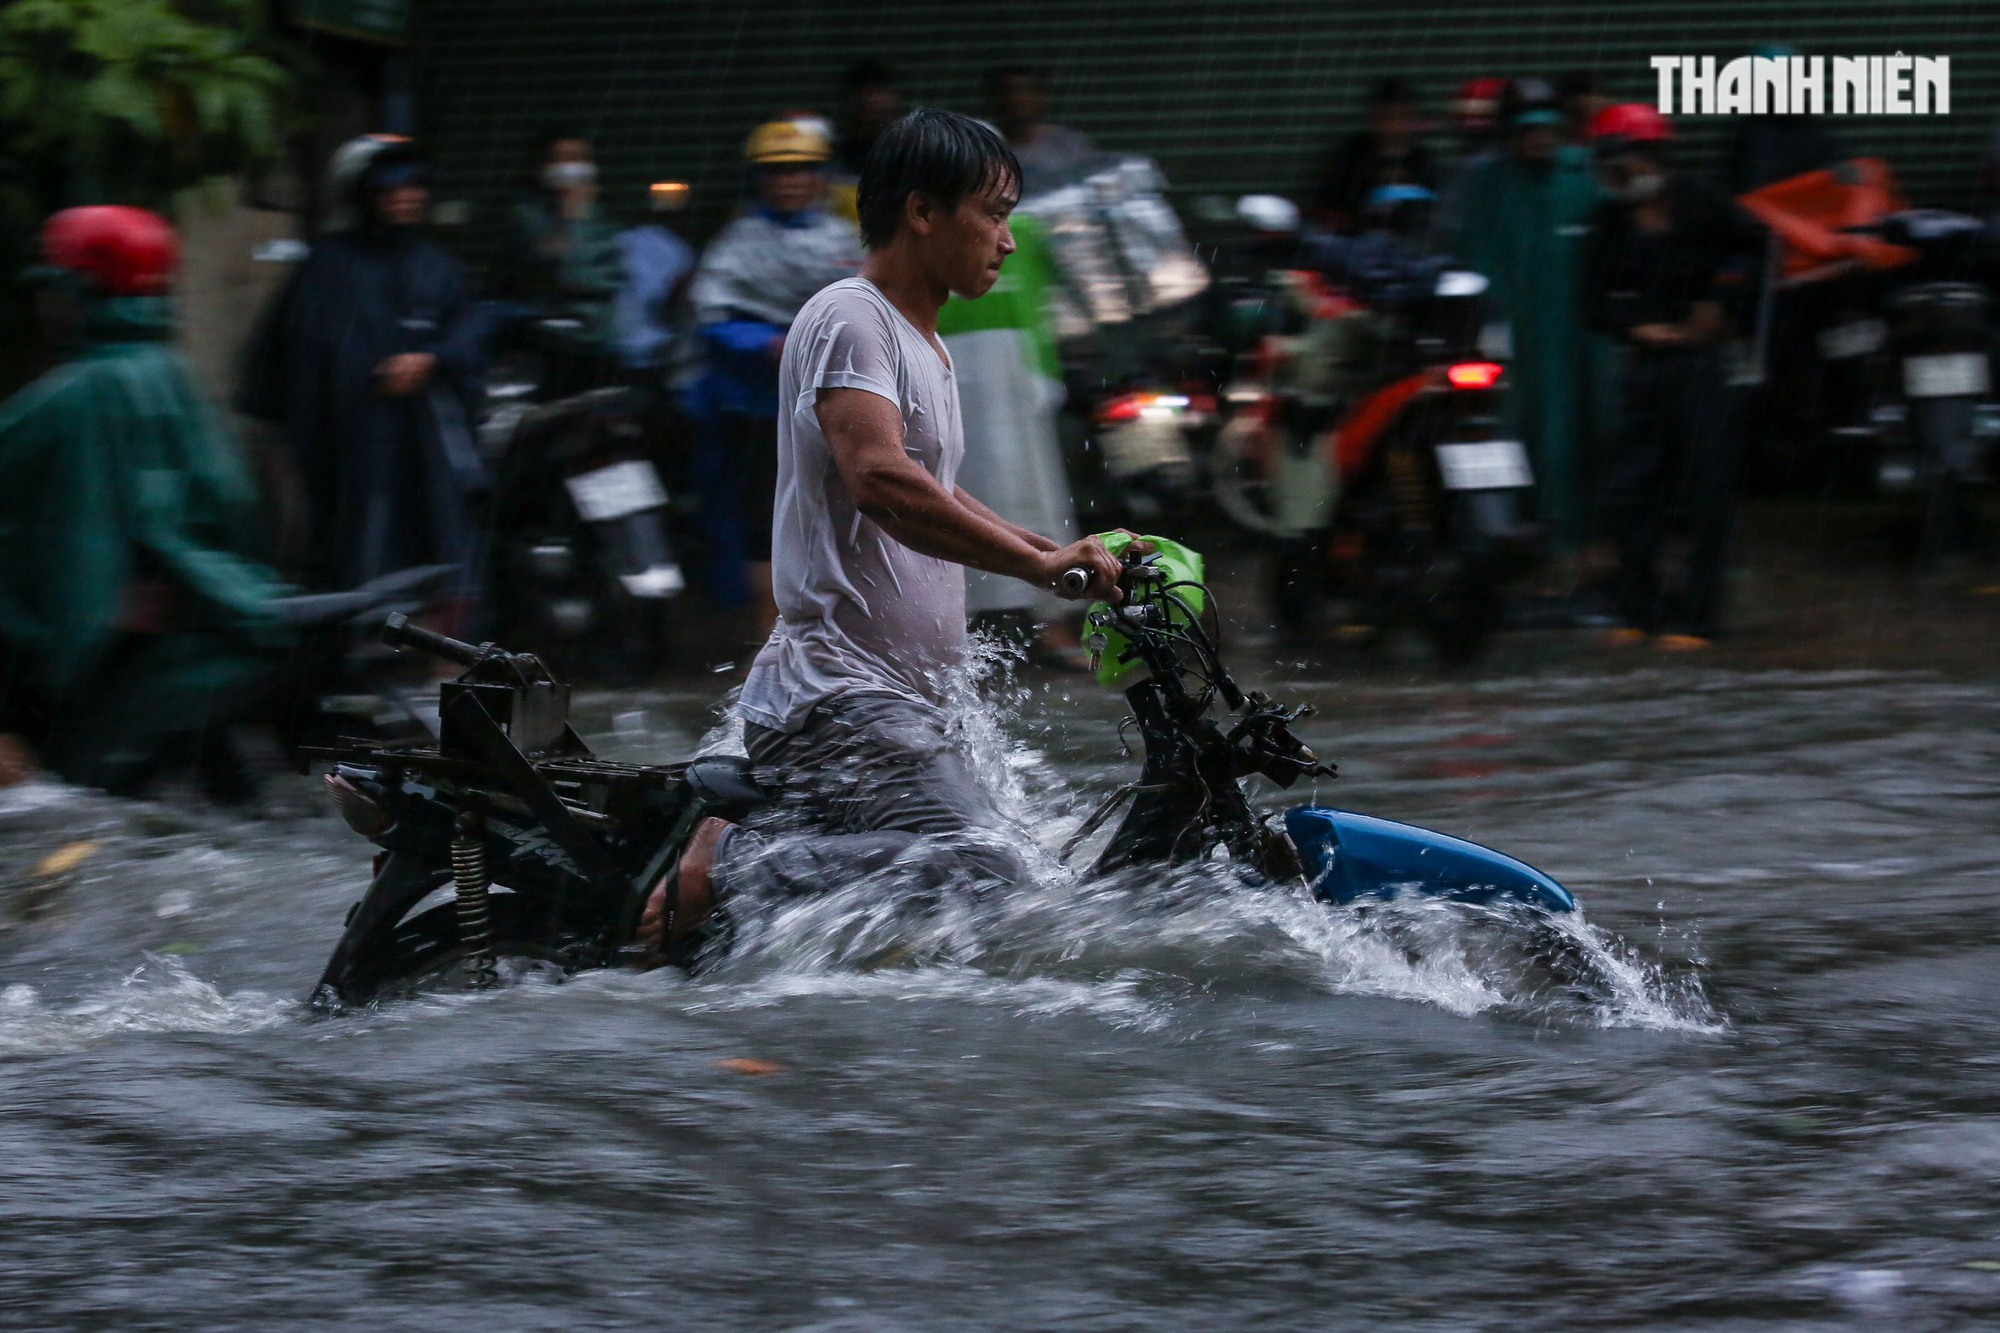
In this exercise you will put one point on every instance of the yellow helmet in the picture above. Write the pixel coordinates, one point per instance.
(779, 142)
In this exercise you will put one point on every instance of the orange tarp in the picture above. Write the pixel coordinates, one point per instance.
(1808, 213)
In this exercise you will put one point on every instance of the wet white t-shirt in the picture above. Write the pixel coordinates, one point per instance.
(857, 609)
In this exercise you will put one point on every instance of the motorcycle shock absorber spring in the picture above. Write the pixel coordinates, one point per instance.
(475, 908)
(1408, 484)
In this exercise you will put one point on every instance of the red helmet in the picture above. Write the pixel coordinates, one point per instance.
(1629, 123)
(1478, 101)
(125, 251)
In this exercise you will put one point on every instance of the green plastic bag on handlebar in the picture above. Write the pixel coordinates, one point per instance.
(1111, 654)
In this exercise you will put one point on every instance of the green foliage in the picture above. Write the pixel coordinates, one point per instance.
(138, 96)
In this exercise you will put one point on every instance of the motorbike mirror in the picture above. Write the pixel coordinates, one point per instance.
(1461, 282)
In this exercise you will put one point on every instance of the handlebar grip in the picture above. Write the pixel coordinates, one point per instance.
(1075, 579)
(398, 632)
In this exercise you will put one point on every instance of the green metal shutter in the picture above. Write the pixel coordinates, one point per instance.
(1229, 97)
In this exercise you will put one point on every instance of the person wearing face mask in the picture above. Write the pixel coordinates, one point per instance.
(370, 365)
(1521, 218)
(563, 259)
(1667, 259)
(751, 281)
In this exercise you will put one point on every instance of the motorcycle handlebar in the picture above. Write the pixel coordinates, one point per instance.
(398, 632)
(1075, 579)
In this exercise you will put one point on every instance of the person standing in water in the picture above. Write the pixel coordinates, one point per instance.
(870, 546)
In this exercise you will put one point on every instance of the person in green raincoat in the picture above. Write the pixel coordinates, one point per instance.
(1010, 390)
(133, 625)
(1522, 222)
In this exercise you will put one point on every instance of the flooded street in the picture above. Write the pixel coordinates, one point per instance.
(1137, 1106)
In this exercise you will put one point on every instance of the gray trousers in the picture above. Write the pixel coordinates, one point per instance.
(872, 786)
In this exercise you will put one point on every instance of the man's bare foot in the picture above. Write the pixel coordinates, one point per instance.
(692, 886)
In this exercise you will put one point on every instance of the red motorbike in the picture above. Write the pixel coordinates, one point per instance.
(1365, 445)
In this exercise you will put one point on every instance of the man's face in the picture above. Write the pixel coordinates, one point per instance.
(1632, 177)
(966, 246)
(790, 188)
(404, 206)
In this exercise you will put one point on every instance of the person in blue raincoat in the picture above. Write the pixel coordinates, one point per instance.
(751, 282)
(370, 364)
(135, 622)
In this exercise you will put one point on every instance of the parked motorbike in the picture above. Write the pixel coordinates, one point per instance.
(1941, 334)
(508, 847)
(1365, 447)
(1135, 425)
(1897, 307)
(582, 564)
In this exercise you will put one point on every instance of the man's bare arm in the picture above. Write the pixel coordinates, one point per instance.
(864, 432)
(979, 507)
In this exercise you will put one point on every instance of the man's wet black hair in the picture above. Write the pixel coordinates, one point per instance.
(941, 154)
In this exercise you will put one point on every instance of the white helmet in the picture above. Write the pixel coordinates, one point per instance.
(343, 176)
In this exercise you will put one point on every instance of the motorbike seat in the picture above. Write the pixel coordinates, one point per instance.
(725, 779)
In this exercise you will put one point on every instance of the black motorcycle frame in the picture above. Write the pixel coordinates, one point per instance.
(510, 798)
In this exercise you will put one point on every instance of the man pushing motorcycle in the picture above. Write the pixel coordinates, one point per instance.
(871, 536)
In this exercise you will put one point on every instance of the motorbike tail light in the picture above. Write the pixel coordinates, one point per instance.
(1143, 407)
(1474, 375)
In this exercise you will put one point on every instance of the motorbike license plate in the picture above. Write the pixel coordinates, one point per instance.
(1946, 375)
(1486, 465)
(615, 491)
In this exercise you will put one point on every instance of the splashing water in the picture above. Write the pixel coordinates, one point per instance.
(160, 995)
(1130, 947)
